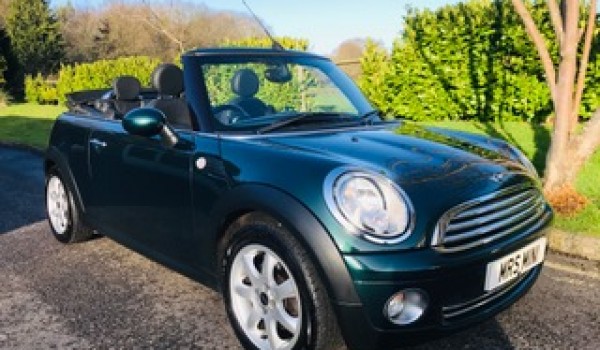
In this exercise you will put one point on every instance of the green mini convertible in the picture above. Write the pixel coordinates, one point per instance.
(267, 175)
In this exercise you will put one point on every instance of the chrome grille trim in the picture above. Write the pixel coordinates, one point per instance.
(536, 210)
(490, 217)
(495, 216)
(492, 207)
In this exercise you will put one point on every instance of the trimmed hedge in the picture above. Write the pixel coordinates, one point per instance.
(87, 76)
(218, 78)
(288, 43)
(100, 74)
(469, 61)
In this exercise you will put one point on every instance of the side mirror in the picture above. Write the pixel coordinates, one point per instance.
(149, 122)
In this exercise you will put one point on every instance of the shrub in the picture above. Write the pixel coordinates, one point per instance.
(467, 61)
(100, 74)
(287, 42)
(218, 78)
(40, 90)
(87, 76)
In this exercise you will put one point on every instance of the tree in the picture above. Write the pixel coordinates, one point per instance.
(2, 70)
(147, 28)
(570, 147)
(348, 54)
(3, 54)
(375, 67)
(3, 8)
(469, 61)
(11, 79)
(35, 36)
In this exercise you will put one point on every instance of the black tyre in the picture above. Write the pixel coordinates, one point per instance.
(62, 213)
(272, 291)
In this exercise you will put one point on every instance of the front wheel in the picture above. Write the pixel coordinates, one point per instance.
(273, 294)
(63, 215)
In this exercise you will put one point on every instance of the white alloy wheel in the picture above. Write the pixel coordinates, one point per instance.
(57, 202)
(265, 298)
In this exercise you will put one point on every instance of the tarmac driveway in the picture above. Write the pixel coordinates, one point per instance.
(100, 295)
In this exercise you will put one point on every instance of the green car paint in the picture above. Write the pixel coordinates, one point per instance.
(173, 203)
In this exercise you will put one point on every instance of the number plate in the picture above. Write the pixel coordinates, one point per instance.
(511, 266)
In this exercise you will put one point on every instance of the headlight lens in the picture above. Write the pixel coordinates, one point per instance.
(369, 204)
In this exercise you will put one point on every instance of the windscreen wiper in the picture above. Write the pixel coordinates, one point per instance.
(367, 118)
(296, 118)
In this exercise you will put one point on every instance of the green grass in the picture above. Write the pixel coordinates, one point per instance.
(588, 220)
(30, 124)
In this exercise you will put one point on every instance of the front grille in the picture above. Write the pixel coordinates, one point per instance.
(490, 217)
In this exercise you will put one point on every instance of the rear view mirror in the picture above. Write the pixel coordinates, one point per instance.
(278, 74)
(149, 122)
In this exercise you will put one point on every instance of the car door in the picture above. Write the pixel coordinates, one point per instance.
(141, 189)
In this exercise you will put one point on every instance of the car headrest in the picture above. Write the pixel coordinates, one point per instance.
(126, 88)
(245, 83)
(167, 78)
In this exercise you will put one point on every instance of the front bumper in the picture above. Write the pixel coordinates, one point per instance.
(454, 284)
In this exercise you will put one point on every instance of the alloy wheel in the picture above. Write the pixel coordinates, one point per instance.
(265, 298)
(57, 201)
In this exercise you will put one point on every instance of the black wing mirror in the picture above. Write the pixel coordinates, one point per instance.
(150, 122)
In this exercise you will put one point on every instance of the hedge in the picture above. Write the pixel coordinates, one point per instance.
(100, 74)
(87, 76)
(467, 61)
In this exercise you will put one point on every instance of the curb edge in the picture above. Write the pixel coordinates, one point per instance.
(576, 244)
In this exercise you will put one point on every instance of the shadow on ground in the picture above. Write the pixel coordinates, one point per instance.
(21, 189)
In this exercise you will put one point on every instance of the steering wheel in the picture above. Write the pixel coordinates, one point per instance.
(230, 114)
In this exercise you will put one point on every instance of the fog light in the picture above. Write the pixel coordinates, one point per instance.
(406, 306)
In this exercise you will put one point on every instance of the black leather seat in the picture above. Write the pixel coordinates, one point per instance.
(168, 80)
(126, 90)
(245, 84)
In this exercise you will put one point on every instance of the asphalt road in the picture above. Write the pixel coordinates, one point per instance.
(100, 295)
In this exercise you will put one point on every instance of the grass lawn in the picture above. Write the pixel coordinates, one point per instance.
(30, 124)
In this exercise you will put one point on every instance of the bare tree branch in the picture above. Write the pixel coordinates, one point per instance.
(158, 25)
(539, 43)
(587, 44)
(557, 22)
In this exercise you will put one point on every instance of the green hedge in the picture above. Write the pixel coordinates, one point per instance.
(287, 42)
(100, 74)
(87, 76)
(218, 77)
(470, 61)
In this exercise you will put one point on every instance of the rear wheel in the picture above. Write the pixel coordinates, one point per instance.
(63, 216)
(273, 294)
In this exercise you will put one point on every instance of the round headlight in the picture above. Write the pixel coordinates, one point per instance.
(368, 204)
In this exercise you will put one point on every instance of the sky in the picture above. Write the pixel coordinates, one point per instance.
(325, 23)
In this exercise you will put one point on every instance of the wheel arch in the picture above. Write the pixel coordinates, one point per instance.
(300, 222)
(55, 159)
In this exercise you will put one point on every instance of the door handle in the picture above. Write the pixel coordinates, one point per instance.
(97, 143)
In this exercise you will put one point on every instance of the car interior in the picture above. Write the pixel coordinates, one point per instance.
(127, 93)
(167, 94)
